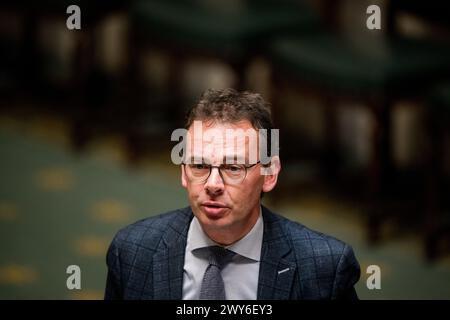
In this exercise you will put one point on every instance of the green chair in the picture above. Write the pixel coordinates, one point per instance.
(216, 27)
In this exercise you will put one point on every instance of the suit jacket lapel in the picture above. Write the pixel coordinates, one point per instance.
(277, 267)
(168, 261)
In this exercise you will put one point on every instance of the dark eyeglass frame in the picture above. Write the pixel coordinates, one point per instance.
(246, 167)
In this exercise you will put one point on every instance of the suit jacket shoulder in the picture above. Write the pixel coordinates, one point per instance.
(130, 257)
(149, 232)
(326, 267)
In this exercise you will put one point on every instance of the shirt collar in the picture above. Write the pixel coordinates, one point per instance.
(249, 246)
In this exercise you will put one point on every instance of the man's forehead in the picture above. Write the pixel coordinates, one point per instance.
(217, 153)
(215, 158)
(221, 133)
(214, 141)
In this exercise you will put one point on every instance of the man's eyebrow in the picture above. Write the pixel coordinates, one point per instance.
(195, 159)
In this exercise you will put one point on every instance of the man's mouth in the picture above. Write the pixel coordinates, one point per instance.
(213, 208)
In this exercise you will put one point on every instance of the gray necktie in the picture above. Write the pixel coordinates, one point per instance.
(212, 284)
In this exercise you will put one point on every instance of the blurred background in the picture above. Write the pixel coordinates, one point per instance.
(86, 117)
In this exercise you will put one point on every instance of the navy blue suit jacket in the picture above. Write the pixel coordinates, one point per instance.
(145, 260)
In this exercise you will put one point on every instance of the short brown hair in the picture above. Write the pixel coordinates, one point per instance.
(230, 106)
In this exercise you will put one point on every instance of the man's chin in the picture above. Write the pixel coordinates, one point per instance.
(214, 219)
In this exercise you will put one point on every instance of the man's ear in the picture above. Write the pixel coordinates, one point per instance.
(183, 177)
(271, 174)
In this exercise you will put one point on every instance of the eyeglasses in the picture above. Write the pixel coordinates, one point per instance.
(232, 174)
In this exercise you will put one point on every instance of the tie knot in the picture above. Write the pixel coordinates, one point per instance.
(219, 256)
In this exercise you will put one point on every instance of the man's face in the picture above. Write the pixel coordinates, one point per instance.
(225, 211)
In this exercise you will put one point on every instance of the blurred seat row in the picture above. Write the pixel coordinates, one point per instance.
(306, 48)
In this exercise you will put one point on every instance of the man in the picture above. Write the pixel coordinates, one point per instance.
(226, 245)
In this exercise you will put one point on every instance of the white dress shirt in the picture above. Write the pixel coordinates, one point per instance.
(240, 276)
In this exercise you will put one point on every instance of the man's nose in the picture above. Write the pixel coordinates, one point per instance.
(214, 185)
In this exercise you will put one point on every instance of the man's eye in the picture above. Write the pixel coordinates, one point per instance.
(199, 166)
(232, 168)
